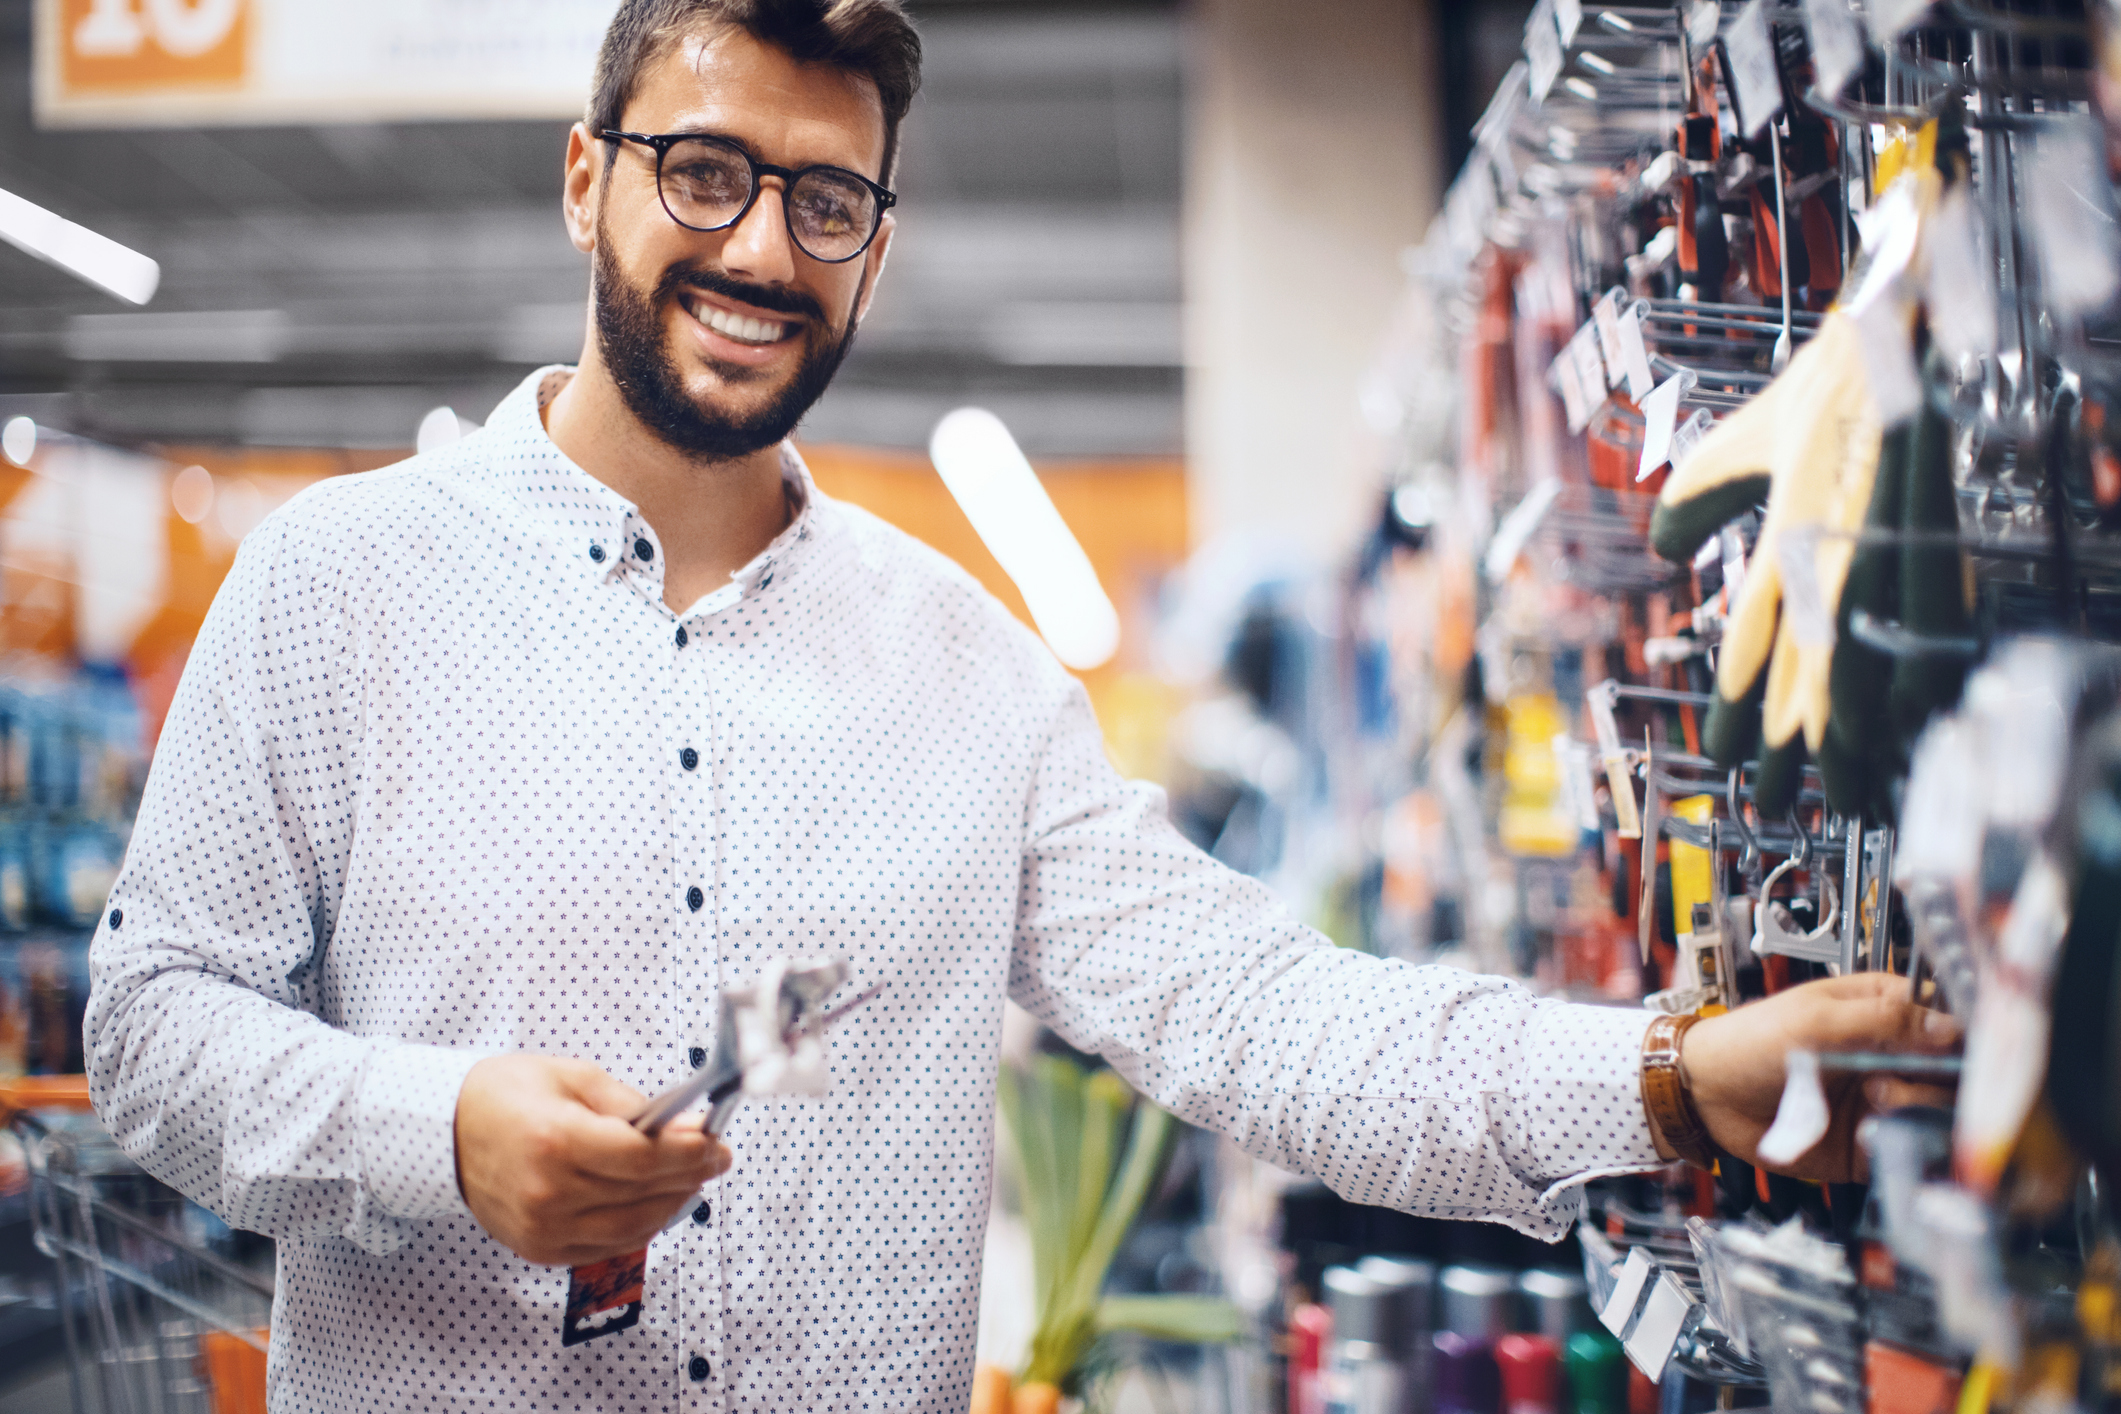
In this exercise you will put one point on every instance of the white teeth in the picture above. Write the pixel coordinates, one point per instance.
(735, 326)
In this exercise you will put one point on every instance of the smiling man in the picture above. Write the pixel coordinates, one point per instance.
(491, 771)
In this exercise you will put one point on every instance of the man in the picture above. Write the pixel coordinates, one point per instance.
(490, 770)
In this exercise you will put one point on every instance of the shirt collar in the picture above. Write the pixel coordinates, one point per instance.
(597, 520)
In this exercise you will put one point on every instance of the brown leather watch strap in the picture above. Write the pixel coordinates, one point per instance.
(1673, 1121)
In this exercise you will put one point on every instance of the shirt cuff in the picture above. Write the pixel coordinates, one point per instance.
(406, 1113)
(1585, 1101)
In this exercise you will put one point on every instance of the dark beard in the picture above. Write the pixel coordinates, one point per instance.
(630, 336)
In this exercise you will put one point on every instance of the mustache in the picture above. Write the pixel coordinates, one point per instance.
(679, 278)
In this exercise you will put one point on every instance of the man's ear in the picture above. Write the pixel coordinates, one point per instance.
(879, 251)
(582, 187)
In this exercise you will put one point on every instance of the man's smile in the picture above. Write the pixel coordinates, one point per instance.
(748, 329)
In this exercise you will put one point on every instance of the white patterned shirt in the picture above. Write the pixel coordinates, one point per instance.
(446, 778)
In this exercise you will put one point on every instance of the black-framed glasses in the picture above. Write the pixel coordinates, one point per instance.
(709, 184)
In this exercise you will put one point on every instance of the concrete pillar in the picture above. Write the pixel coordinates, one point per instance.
(1313, 159)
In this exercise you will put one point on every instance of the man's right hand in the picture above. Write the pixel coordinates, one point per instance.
(550, 1166)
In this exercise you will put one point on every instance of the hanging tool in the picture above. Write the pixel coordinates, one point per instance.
(1775, 929)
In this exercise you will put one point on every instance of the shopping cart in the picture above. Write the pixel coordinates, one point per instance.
(159, 1312)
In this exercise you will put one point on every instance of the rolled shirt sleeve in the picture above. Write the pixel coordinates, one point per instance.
(1422, 1088)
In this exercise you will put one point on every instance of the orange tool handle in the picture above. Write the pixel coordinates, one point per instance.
(42, 1092)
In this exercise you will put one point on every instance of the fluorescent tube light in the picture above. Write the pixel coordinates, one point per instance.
(1002, 496)
(77, 250)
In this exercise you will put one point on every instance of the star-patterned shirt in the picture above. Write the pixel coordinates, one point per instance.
(445, 778)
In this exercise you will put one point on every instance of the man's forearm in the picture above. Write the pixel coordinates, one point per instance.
(276, 1121)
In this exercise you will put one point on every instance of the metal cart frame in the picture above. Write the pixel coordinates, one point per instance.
(154, 1320)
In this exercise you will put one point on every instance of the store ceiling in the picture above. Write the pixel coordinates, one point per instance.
(328, 285)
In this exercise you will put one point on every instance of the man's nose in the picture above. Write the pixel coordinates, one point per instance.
(758, 247)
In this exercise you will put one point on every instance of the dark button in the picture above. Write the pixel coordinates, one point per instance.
(643, 550)
(689, 759)
(117, 916)
(701, 1214)
(698, 1056)
(694, 898)
(596, 553)
(682, 636)
(697, 1368)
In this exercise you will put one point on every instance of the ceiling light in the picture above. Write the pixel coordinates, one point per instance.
(18, 440)
(438, 429)
(1008, 506)
(77, 250)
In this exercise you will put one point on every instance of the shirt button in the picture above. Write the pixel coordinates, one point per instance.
(596, 554)
(688, 758)
(698, 1056)
(701, 1214)
(694, 899)
(682, 635)
(642, 550)
(117, 916)
(697, 1368)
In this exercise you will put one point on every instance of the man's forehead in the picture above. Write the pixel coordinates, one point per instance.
(723, 79)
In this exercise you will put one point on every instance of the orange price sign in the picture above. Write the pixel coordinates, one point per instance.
(146, 46)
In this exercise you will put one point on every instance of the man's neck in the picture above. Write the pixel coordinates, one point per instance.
(712, 517)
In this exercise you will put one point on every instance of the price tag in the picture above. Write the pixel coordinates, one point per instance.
(1568, 18)
(1605, 318)
(1889, 360)
(1589, 368)
(1660, 414)
(1837, 43)
(1749, 56)
(1627, 814)
(1962, 282)
(1563, 373)
(1804, 605)
(1703, 17)
(1634, 356)
(1687, 436)
(1889, 19)
(1542, 49)
(2072, 218)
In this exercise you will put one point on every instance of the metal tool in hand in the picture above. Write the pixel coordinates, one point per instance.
(802, 996)
(605, 1297)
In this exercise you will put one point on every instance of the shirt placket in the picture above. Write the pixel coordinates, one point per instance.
(700, 849)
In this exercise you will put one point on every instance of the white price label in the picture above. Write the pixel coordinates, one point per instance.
(1568, 18)
(1563, 373)
(1889, 19)
(1542, 49)
(1589, 367)
(1749, 54)
(1703, 17)
(1837, 43)
(1660, 414)
(1634, 354)
(1605, 318)
(1804, 605)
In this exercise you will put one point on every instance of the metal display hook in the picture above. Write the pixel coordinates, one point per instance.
(1749, 855)
(1775, 929)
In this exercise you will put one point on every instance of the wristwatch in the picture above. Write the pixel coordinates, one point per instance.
(1674, 1124)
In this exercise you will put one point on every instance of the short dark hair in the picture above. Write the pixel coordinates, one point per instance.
(872, 38)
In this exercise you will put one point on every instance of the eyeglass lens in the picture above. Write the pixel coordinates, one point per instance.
(706, 184)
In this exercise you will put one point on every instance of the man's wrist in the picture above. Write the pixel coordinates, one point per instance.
(1675, 1125)
(406, 1109)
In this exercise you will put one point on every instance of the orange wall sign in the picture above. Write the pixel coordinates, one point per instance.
(134, 63)
(146, 46)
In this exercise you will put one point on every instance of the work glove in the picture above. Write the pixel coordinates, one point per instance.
(1810, 442)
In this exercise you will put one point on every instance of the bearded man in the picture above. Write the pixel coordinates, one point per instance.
(491, 771)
